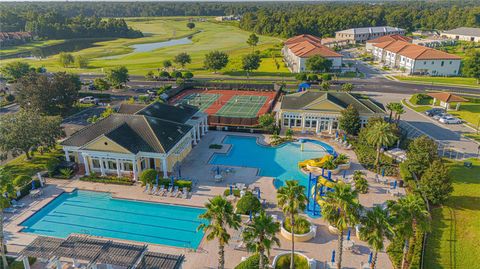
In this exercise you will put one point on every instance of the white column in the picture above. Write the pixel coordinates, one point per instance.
(102, 169)
(303, 123)
(194, 134)
(202, 126)
(134, 167)
(164, 167)
(206, 124)
(26, 265)
(118, 167)
(67, 157)
(198, 131)
(330, 126)
(317, 128)
(86, 164)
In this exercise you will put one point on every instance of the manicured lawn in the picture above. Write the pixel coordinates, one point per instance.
(461, 48)
(22, 166)
(469, 112)
(453, 242)
(207, 36)
(420, 109)
(474, 136)
(5, 51)
(440, 80)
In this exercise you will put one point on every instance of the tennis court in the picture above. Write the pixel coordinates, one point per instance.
(242, 106)
(200, 100)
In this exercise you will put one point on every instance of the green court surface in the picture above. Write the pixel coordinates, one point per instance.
(242, 106)
(200, 100)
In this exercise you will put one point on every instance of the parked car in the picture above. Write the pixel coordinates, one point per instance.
(88, 100)
(450, 120)
(441, 115)
(434, 111)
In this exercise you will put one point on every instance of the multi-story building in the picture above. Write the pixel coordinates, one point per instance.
(369, 44)
(463, 33)
(298, 49)
(366, 33)
(416, 59)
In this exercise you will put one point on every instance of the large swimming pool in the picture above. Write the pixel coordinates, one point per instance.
(278, 162)
(96, 213)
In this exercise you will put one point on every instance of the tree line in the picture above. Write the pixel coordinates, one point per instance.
(55, 25)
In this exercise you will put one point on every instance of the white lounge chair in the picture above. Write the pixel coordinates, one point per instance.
(154, 190)
(17, 204)
(160, 190)
(10, 210)
(147, 188)
(175, 192)
(184, 193)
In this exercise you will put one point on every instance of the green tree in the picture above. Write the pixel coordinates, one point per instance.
(65, 59)
(408, 214)
(267, 122)
(215, 60)
(101, 84)
(164, 74)
(14, 70)
(167, 64)
(471, 65)
(325, 85)
(435, 183)
(50, 95)
(150, 76)
(252, 41)
(107, 112)
(220, 215)
(341, 209)
(260, 236)
(399, 110)
(182, 59)
(187, 75)
(292, 200)
(251, 62)
(81, 61)
(349, 120)
(379, 135)
(422, 151)
(318, 63)
(361, 183)
(5, 187)
(347, 87)
(190, 25)
(376, 228)
(391, 108)
(301, 77)
(25, 131)
(117, 76)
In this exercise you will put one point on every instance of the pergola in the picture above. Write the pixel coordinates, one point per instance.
(446, 98)
(95, 251)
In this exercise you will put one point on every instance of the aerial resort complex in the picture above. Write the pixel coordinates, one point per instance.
(281, 135)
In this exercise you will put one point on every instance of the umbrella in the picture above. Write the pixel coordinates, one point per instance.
(172, 181)
(250, 215)
(218, 170)
(33, 185)
(333, 256)
(179, 172)
(329, 175)
(395, 184)
(323, 171)
(258, 194)
(344, 173)
(383, 172)
(344, 137)
(348, 235)
(231, 189)
(156, 180)
(40, 179)
(336, 134)
(370, 257)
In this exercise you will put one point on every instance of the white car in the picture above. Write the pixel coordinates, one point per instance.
(450, 120)
(441, 115)
(88, 100)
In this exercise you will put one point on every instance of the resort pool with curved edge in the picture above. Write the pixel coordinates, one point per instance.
(279, 162)
(98, 214)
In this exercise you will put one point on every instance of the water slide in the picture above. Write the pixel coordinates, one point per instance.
(314, 163)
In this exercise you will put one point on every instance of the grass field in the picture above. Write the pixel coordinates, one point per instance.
(28, 47)
(22, 166)
(453, 242)
(207, 36)
(469, 112)
(461, 48)
(440, 80)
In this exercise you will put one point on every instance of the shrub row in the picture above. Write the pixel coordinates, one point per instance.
(420, 99)
(108, 179)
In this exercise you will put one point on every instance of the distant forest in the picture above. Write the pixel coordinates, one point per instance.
(57, 19)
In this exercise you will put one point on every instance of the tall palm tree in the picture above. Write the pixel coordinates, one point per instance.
(380, 134)
(341, 209)
(409, 213)
(399, 110)
(5, 187)
(376, 227)
(391, 108)
(292, 200)
(259, 236)
(219, 214)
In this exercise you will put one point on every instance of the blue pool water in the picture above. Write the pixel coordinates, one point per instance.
(278, 162)
(99, 214)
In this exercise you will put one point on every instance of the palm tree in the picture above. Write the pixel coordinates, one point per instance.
(292, 200)
(376, 227)
(379, 135)
(5, 187)
(399, 110)
(408, 214)
(391, 107)
(259, 236)
(347, 87)
(219, 214)
(341, 209)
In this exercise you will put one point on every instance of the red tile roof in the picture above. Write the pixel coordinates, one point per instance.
(307, 45)
(390, 38)
(447, 97)
(414, 51)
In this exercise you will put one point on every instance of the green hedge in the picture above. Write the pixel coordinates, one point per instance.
(177, 182)
(421, 99)
(251, 262)
(108, 179)
(236, 192)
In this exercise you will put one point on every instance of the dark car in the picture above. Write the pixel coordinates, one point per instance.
(434, 111)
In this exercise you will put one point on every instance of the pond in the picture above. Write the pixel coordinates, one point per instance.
(153, 46)
(67, 46)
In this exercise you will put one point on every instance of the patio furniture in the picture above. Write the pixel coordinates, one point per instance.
(175, 192)
(17, 204)
(10, 210)
(35, 193)
(160, 190)
(154, 190)
(348, 244)
(147, 188)
(184, 193)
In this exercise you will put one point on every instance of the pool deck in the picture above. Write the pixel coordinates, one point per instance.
(196, 166)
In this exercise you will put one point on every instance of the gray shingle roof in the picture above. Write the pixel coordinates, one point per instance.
(133, 132)
(371, 30)
(468, 31)
(178, 113)
(302, 100)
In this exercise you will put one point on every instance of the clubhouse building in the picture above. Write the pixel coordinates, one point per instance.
(319, 111)
(138, 137)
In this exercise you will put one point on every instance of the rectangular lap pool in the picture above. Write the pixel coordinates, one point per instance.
(95, 213)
